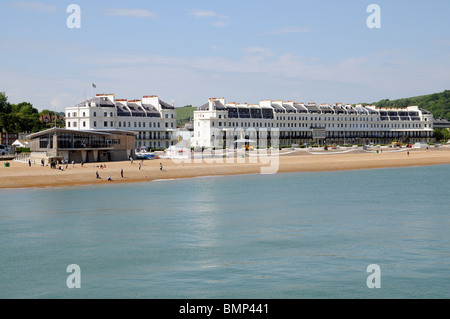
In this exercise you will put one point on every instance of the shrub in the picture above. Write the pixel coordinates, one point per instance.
(22, 150)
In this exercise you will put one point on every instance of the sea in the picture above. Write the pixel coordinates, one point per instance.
(360, 234)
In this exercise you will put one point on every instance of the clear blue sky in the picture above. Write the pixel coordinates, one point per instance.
(243, 50)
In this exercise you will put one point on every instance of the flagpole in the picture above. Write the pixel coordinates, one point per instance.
(93, 86)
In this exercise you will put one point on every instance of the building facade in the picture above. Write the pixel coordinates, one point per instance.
(51, 118)
(151, 119)
(8, 138)
(441, 124)
(218, 124)
(81, 146)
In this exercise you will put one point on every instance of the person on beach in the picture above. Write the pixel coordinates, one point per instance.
(139, 166)
(160, 166)
(96, 174)
(407, 153)
(73, 164)
(42, 162)
(29, 162)
(121, 173)
(109, 178)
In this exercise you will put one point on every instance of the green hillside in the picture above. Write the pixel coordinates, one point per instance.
(438, 103)
(185, 114)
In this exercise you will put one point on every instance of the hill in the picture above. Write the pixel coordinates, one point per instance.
(185, 114)
(437, 103)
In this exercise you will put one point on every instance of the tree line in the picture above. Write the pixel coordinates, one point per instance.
(22, 117)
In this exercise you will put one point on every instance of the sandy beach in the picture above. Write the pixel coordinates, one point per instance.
(20, 175)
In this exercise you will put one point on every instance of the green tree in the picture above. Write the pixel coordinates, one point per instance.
(438, 134)
(5, 107)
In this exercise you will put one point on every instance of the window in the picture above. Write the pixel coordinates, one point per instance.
(111, 114)
(167, 124)
(68, 124)
(84, 124)
(95, 113)
(84, 114)
(166, 116)
(105, 124)
(112, 124)
(105, 114)
(95, 124)
(74, 124)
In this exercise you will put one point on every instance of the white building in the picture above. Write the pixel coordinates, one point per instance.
(152, 119)
(218, 123)
(21, 143)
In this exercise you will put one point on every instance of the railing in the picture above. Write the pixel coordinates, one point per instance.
(23, 158)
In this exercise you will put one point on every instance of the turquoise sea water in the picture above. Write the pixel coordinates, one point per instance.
(296, 235)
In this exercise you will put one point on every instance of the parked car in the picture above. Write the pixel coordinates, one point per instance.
(4, 149)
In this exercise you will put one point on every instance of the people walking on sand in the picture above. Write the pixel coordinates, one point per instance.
(121, 173)
(96, 174)
(109, 178)
(73, 164)
(29, 162)
(160, 166)
(42, 162)
(407, 153)
(139, 166)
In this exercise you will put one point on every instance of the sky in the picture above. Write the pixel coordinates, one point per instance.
(186, 52)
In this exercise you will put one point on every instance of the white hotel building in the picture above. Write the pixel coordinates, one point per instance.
(218, 123)
(151, 119)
